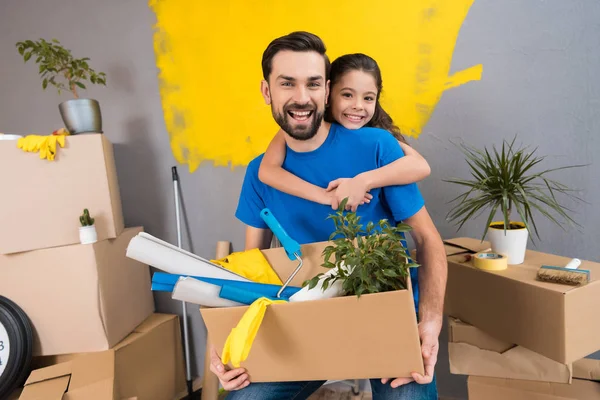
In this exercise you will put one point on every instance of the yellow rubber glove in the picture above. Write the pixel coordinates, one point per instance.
(239, 342)
(250, 264)
(46, 145)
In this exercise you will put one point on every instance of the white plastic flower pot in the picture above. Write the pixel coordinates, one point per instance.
(87, 234)
(512, 243)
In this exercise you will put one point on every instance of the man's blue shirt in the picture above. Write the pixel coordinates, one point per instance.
(344, 154)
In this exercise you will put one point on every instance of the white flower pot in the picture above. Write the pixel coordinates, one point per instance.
(512, 244)
(87, 234)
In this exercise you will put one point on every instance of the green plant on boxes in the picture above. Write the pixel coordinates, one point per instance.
(87, 230)
(505, 181)
(364, 259)
(58, 67)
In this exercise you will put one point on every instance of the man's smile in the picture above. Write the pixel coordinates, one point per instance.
(300, 115)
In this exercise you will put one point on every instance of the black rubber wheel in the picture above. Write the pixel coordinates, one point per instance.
(16, 346)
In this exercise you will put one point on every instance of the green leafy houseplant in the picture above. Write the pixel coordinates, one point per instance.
(56, 62)
(85, 219)
(375, 253)
(504, 180)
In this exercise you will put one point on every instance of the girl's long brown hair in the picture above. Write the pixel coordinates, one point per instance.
(362, 62)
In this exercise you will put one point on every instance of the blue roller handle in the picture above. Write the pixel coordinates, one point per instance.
(292, 248)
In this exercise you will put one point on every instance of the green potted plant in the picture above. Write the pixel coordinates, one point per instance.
(87, 230)
(505, 181)
(58, 67)
(364, 260)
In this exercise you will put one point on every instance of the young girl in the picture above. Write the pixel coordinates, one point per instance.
(356, 85)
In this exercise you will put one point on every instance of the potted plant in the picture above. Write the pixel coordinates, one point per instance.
(59, 68)
(366, 260)
(505, 181)
(87, 230)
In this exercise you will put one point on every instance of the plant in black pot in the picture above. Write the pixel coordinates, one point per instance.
(365, 259)
(507, 181)
(58, 67)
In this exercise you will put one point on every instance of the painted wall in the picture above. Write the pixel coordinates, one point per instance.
(540, 63)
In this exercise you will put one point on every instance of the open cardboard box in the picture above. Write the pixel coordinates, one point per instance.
(79, 298)
(474, 352)
(42, 200)
(375, 336)
(556, 321)
(146, 365)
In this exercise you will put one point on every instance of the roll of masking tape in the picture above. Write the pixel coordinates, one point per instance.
(490, 261)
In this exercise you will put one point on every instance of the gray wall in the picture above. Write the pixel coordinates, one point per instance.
(540, 60)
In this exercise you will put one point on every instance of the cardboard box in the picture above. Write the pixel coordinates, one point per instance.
(42, 200)
(341, 338)
(473, 352)
(553, 320)
(79, 298)
(147, 365)
(483, 388)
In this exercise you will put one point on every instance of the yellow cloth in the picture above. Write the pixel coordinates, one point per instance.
(46, 145)
(250, 264)
(239, 342)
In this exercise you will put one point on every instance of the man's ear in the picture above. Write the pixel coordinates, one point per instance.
(327, 92)
(266, 93)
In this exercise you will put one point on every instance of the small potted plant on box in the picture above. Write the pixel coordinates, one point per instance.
(87, 230)
(505, 181)
(371, 259)
(59, 68)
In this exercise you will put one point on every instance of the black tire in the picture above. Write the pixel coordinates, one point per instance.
(20, 335)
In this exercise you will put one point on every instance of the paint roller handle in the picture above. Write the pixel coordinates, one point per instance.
(174, 174)
(292, 248)
(573, 264)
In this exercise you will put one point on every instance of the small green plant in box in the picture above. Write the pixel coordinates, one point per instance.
(367, 259)
(87, 230)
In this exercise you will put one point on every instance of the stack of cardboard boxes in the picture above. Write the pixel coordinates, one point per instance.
(96, 335)
(518, 338)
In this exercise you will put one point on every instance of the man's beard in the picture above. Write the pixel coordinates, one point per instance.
(303, 132)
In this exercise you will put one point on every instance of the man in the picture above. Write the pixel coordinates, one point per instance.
(296, 87)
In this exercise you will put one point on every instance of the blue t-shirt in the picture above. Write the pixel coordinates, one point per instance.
(344, 154)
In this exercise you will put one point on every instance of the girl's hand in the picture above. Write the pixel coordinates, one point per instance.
(355, 189)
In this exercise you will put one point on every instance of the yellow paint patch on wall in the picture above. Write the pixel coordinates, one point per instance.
(209, 53)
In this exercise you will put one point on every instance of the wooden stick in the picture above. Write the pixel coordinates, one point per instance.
(210, 382)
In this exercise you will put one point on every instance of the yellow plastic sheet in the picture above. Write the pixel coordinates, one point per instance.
(239, 342)
(250, 264)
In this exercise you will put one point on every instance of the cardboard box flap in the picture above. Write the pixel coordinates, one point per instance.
(464, 244)
(497, 388)
(152, 322)
(312, 258)
(587, 368)
(92, 368)
(52, 372)
(52, 389)
(99, 390)
(459, 331)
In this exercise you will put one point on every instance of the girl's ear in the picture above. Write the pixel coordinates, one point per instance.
(327, 92)
(266, 93)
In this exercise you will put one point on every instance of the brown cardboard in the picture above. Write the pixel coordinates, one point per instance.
(45, 198)
(146, 365)
(473, 352)
(483, 388)
(511, 305)
(79, 298)
(320, 339)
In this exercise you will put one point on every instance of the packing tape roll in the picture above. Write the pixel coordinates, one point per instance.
(490, 261)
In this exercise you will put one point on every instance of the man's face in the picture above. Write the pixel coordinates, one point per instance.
(297, 92)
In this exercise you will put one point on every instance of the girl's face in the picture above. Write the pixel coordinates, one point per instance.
(353, 99)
